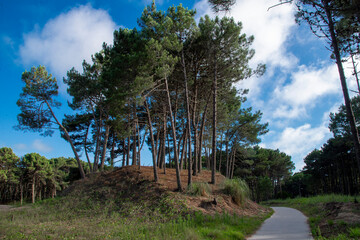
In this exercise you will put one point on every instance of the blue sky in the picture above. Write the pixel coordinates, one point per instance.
(297, 93)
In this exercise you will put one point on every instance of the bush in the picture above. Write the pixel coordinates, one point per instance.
(199, 189)
(237, 189)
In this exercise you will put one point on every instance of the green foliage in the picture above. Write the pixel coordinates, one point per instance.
(36, 100)
(199, 189)
(8, 162)
(237, 189)
(222, 5)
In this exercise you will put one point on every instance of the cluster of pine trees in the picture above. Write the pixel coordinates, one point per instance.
(169, 84)
(33, 176)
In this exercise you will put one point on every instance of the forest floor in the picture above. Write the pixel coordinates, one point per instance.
(330, 216)
(126, 203)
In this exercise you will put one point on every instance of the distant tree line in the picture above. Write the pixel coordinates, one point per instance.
(34, 177)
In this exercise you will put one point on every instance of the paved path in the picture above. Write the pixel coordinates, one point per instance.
(284, 224)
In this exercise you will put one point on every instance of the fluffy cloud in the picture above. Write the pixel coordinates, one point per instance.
(65, 41)
(301, 139)
(307, 85)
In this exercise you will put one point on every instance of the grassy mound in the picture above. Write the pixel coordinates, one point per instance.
(121, 204)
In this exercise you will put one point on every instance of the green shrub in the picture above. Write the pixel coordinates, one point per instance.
(354, 232)
(199, 189)
(237, 189)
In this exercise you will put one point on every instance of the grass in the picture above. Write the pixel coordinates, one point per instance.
(237, 189)
(71, 218)
(318, 216)
(199, 189)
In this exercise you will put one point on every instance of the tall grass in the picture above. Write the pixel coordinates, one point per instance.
(316, 199)
(237, 189)
(199, 189)
(56, 219)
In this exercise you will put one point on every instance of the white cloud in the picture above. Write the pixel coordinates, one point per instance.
(308, 84)
(65, 41)
(306, 87)
(40, 146)
(300, 139)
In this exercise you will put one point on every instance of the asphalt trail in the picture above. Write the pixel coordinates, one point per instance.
(284, 224)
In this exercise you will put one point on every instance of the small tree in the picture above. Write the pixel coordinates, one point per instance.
(36, 104)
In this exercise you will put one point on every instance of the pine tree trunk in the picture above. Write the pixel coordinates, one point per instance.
(112, 152)
(233, 165)
(202, 127)
(213, 162)
(107, 131)
(188, 118)
(153, 148)
(82, 173)
(33, 189)
(128, 152)
(85, 149)
(349, 111)
(164, 141)
(221, 143)
(21, 193)
(139, 144)
(227, 157)
(124, 153)
(134, 153)
(183, 157)
(173, 130)
(195, 127)
(97, 147)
